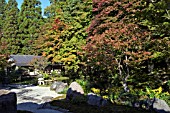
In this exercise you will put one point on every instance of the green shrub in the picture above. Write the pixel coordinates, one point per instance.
(84, 84)
(64, 91)
(46, 76)
(158, 93)
(55, 74)
(60, 78)
(27, 81)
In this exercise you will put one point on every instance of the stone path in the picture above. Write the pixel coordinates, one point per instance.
(30, 98)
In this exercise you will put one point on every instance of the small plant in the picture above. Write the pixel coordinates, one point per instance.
(95, 90)
(46, 76)
(55, 74)
(84, 84)
(154, 93)
(64, 91)
(168, 83)
(60, 78)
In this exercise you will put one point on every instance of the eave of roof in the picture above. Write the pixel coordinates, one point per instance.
(23, 60)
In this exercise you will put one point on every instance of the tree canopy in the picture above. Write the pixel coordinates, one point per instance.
(119, 46)
(10, 26)
(67, 33)
(2, 15)
(29, 21)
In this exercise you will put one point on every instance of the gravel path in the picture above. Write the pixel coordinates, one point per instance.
(30, 98)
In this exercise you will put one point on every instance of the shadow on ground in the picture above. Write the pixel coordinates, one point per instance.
(36, 108)
(83, 107)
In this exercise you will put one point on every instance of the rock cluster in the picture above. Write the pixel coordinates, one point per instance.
(93, 99)
(158, 105)
(58, 86)
(75, 93)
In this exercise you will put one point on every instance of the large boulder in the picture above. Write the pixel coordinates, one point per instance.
(58, 86)
(74, 91)
(8, 102)
(95, 100)
(76, 87)
(160, 106)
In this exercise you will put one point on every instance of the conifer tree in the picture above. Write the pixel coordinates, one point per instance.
(30, 20)
(50, 11)
(2, 9)
(10, 27)
(63, 40)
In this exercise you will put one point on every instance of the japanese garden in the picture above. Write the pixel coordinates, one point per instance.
(115, 54)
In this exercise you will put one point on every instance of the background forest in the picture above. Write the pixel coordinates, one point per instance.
(115, 46)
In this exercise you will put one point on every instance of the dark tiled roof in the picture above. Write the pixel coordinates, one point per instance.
(23, 60)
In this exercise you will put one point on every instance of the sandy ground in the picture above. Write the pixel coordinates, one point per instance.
(30, 98)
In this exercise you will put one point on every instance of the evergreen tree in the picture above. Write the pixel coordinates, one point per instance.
(63, 40)
(77, 16)
(30, 20)
(50, 11)
(2, 10)
(10, 27)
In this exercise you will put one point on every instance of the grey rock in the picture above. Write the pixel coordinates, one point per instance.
(61, 87)
(95, 100)
(8, 102)
(55, 84)
(160, 106)
(76, 87)
(47, 98)
(74, 91)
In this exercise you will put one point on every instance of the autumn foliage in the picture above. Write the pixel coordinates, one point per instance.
(116, 43)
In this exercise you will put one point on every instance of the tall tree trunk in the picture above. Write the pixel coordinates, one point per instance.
(124, 81)
(126, 89)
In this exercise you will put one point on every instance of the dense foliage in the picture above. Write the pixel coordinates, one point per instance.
(30, 20)
(10, 27)
(118, 46)
(3, 56)
(127, 47)
(2, 15)
(67, 33)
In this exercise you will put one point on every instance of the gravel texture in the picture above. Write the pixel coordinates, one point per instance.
(30, 98)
